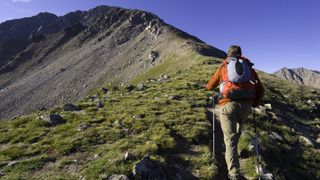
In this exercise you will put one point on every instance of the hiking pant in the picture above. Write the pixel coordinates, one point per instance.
(232, 116)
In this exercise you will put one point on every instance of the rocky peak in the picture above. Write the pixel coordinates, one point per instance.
(23, 28)
(300, 75)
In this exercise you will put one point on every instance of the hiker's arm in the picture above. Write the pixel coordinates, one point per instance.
(215, 79)
(259, 91)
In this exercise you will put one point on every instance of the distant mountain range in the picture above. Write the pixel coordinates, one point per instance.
(300, 75)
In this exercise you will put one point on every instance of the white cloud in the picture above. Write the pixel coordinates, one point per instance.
(21, 0)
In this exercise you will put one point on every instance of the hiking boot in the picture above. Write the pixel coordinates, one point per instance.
(237, 177)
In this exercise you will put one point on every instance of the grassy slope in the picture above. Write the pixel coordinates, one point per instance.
(177, 133)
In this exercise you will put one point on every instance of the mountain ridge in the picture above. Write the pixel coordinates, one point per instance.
(79, 51)
(300, 75)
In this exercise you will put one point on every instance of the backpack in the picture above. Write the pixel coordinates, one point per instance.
(238, 81)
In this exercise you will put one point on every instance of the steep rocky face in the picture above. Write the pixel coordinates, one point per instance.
(25, 27)
(69, 55)
(300, 75)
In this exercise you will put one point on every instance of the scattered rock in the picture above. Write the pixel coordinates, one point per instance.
(118, 124)
(100, 104)
(139, 116)
(274, 116)
(83, 127)
(251, 145)
(261, 110)
(116, 177)
(163, 78)
(128, 156)
(318, 139)
(305, 140)
(153, 55)
(129, 87)
(12, 163)
(148, 169)
(275, 136)
(96, 156)
(268, 106)
(314, 91)
(309, 102)
(71, 107)
(104, 90)
(175, 97)
(152, 80)
(54, 119)
(92, 98)
(141, 87)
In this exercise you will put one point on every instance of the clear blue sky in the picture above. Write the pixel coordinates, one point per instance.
(273, 33)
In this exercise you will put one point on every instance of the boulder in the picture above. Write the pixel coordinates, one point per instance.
(54, 119)
(71, 107)
(148, 169)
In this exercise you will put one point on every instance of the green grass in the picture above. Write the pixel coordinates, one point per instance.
(176, 133)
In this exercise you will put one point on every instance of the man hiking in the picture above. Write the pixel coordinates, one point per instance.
(240, 89)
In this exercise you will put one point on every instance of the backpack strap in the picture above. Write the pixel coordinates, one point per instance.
(224, 71)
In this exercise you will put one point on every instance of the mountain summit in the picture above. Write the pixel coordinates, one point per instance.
(300, 75)
(46, 60)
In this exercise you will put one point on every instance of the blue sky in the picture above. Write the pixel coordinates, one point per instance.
(272, 33)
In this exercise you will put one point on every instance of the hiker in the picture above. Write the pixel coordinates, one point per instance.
(240, 89)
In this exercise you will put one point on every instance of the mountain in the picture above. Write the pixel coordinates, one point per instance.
(150, 119)
(46, 60)
(300, 75)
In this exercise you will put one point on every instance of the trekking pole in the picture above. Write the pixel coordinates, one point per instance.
(256, 143)
(213, 127)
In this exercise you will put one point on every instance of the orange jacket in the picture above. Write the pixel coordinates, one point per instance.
(216, 80)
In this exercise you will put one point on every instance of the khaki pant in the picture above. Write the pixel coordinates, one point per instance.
(232, 116)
